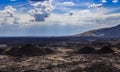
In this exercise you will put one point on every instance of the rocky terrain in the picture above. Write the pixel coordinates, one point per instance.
(61, 56)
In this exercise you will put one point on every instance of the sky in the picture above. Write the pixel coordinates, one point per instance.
(41, 18)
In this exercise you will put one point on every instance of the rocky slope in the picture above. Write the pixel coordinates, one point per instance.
(104, 32)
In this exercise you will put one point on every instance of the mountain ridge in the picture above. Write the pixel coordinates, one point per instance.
(103, 32)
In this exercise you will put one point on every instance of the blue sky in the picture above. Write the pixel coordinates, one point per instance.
(56, 17)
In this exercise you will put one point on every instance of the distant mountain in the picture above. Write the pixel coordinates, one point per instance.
(104, 32)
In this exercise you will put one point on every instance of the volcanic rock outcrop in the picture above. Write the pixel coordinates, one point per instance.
(28, 50)
(105, 50)
(86, 50)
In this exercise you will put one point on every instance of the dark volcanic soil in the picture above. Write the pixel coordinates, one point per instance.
(61, 57)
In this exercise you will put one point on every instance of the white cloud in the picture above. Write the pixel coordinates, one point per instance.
(95, 6)
(7, 15)
(115, 1)
(23, 18)
(9, 20)
(68, 3)
(8, 11)
(10, 16)
(41, 10)
(104, 1)
(78, 18)
(84, 17)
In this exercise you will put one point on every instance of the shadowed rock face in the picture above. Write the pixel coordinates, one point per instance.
(86, 50)
(105, 50)
(28, 50)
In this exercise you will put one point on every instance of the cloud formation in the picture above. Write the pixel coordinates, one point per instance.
(37, 16)
(85, 17)
(95, 6)
(41, 10)
(8, 11)
(7, 15)
(41, 14)
(10, 16)
(104, 1)
(115, 1)
(68, 3)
